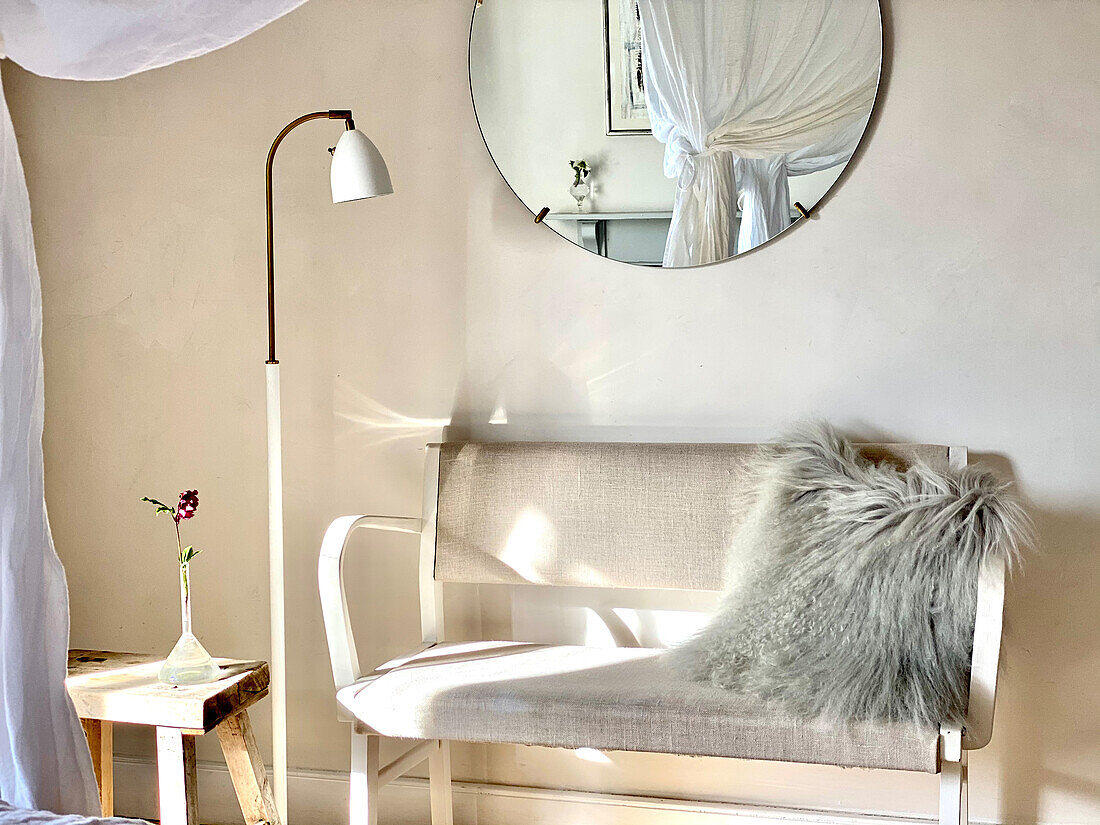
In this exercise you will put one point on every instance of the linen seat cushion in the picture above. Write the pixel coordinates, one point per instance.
(612, 699)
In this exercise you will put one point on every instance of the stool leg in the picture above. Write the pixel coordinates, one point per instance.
(178, 777)
(101, 737)
(246, 767)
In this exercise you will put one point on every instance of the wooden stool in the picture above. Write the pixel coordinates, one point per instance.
(122, 687)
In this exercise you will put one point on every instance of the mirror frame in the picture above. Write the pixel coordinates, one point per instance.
(806, 214)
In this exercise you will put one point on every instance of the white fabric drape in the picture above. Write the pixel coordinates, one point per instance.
(44, 761)
(107, 39)
(43, 758)
(743, 93)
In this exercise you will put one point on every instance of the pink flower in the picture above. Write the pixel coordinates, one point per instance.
(189, 503)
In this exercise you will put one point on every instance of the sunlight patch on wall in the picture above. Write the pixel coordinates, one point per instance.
(378, 423)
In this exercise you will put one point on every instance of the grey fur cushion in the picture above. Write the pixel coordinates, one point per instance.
(853, 586)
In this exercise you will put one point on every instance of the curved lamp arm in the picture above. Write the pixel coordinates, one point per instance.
(331, 114)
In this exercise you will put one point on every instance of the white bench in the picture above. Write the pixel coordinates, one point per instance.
(598, 518)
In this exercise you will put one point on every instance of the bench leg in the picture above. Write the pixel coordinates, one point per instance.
(439, 773)
(951, 793)
(964, 807)
(246, 767)
(364, 779)
(178, 778)
(953, 778)
(101, 737)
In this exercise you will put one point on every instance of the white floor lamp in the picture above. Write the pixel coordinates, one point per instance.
(358, 171)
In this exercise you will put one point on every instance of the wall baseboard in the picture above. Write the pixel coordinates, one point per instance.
(321, 798)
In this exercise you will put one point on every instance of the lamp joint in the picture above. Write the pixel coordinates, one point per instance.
(344, 115)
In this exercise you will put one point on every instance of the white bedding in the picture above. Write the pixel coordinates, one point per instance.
(18, 816)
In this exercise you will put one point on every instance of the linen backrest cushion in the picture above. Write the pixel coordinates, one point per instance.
(620, 515)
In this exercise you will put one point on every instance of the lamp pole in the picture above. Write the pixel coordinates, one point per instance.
(275, 490)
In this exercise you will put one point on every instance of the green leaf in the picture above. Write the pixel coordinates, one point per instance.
(160, 505)
(189, 553)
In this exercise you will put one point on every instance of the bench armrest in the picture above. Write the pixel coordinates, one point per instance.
(986, 656)
(330, 582)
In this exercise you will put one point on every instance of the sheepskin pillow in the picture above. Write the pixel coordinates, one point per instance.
(852, 586)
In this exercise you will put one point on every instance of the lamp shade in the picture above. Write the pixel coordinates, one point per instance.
(358, 170)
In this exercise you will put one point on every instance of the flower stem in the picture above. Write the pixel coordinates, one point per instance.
(185, 583)
(185, 597)
(179, 544)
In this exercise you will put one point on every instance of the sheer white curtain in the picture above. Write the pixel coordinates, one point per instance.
(743, 93)
(44, 761)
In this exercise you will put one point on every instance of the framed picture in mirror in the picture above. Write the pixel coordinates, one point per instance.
(624, 78)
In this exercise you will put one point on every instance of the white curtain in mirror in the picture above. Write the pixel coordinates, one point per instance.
(764, 196)
(744, 93)
(44, 761)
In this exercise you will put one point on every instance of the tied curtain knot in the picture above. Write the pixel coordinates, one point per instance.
(684, 160)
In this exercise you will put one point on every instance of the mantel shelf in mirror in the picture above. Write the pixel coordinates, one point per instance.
(609, 216)
(641, 241)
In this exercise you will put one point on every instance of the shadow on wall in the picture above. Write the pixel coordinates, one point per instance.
(1050, 686)
(1050, 661)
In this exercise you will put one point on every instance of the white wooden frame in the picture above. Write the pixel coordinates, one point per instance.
(368, 775)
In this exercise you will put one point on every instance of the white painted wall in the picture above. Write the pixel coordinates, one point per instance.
(949, 291)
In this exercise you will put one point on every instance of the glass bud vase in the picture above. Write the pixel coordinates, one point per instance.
(581, 190)
(188, 663)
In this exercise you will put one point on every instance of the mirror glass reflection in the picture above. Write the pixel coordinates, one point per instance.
(673, 132)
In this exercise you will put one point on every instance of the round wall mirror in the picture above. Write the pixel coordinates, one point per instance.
(673, 132)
